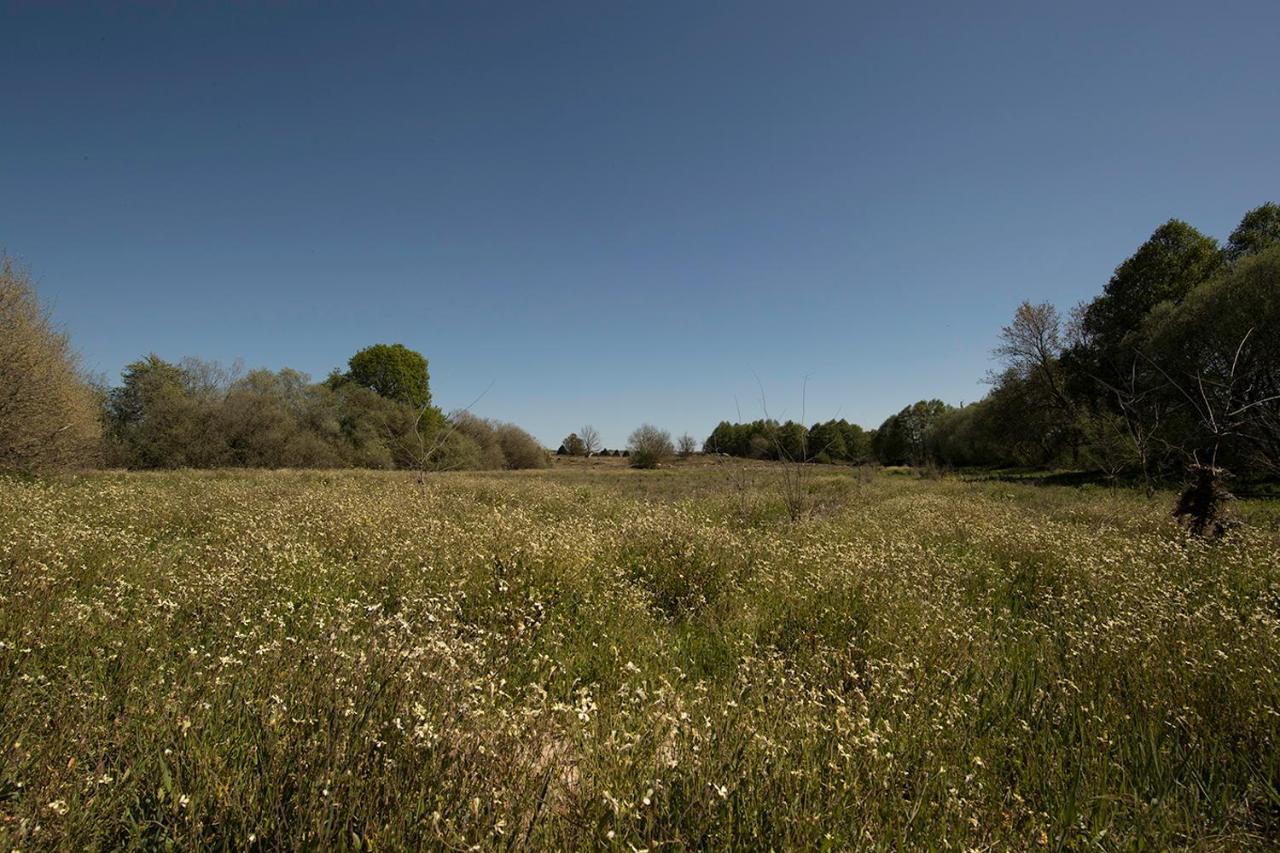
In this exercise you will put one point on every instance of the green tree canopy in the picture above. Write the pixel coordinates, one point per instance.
(1258, 231)
(1167, 267)
(393, 371)
(903, 438)
(1221, 351)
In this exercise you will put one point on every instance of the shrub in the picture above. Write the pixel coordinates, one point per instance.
(489, 453)
(48, 414)
(458, 451)
(650, 447)
(520, 449)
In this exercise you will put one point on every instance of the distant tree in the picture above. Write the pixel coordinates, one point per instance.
(1032, 345)
(393, 371)
(574, 445)
(376, 432)
(826, 442)
(483, 433)
(686, 446)
(1258, 231)
(457, 451)
(857, 442)
(904, 438)
(48, 413)
(156, 421)
(520, 448)
(791, 442)
(650, 446)
(562, 451)
(1031, 348)
(721, 440)
(590, 440)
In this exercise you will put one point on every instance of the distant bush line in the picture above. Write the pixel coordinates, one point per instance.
(197, 414)
(378, 414)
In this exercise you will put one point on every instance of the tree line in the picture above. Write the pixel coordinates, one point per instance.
(833, 441)
(1174, 366)
(377, 413)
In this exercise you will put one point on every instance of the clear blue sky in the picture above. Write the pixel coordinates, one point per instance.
(617, 212)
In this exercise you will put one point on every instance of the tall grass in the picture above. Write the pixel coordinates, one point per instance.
(627, 659)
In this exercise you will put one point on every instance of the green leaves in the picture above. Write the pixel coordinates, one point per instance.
(394, 371)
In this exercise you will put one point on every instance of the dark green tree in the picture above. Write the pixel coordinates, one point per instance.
(1259, 230)
(791, 440)
(904, 438)
(1219, 358)
(1166, 267)
(857, 442)
(826, 442)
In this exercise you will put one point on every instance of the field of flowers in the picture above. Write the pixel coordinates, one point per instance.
(578, 659)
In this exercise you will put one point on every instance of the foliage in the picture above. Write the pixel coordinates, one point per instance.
(836, 441)
(393, 371)
(650, 446)
(1257, 232)
(196, 415)
(474, 443)
(1173, 261)
(1174, 367)
(1218, 354)
(519, 448)
(48, 414)
(574, 446)
(904, 438)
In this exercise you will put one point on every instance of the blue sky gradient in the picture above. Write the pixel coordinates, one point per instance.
(615, 212)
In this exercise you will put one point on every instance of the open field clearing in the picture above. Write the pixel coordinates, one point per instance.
(602, 658)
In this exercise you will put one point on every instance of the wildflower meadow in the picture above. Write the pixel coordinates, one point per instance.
(629, 660)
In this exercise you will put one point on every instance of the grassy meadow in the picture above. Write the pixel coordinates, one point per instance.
(604, 658)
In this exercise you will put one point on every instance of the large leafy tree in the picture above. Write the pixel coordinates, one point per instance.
(1105, 368)
(1219, 356)
(1258, 231)
(393, 371)
(1165, 268)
